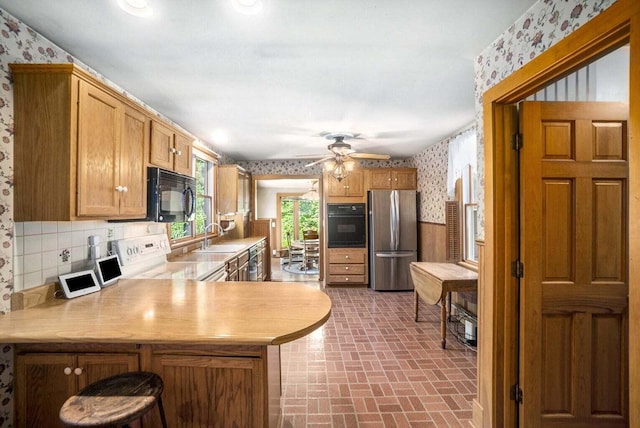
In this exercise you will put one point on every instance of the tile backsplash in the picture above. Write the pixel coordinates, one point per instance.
(44, 250)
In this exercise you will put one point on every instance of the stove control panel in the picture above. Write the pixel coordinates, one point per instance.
(142, 249)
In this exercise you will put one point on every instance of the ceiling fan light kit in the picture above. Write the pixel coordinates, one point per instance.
(340, 162)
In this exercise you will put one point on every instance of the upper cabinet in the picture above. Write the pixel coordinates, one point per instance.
(234, 189)
(393, 178)
(79, 147)
(170, 149)
(351, 186)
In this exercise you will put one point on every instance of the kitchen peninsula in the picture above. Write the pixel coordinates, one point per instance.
(214, 344)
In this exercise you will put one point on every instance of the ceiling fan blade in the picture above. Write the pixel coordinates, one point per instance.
(326, 158)
(369, 156)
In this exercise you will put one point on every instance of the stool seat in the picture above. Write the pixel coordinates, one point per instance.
(114, 401)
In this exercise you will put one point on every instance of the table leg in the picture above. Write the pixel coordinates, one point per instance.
(415, 304)
(443, 321)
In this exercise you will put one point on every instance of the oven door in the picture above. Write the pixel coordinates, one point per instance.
(346, 231)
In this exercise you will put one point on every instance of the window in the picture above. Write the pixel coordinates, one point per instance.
(204, 172)
(462, 168)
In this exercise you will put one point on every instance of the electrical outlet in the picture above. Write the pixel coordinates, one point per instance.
(110, 233)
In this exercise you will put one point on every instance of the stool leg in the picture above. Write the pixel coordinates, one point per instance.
(161, 409)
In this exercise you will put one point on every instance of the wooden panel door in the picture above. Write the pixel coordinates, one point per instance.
(405, 179)
(573, 333)
(380, 179)
(133, 166)
(99, 366)
(182, 155)
(231, 388)
(161, 151)
(41, 387)
(99, 116)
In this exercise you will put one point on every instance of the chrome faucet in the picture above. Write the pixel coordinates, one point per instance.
(205, 242)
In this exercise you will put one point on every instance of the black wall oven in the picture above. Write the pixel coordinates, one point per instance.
(346, 226)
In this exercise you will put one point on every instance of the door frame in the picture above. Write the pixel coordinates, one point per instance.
(617, 26)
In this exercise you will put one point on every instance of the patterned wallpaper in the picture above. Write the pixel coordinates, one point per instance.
(431, 164)
(543, 25)
(297, 167)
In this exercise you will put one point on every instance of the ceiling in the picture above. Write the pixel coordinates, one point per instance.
(267, 86)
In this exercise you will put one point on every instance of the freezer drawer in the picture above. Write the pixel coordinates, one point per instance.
(390, 270)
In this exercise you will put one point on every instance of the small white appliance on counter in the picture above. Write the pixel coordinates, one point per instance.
(146, 257)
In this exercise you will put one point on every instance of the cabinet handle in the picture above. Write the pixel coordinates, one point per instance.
(125, 189)
(67, 371)
(172, 150)
(346, 279)
(346, 268)
(122, 189)
(178, 152)
(77, 371)
(346, 257)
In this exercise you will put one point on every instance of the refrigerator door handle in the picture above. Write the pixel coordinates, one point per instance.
(394, 255)
(395, 219)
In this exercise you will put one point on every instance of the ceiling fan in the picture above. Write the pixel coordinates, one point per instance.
(340, 162)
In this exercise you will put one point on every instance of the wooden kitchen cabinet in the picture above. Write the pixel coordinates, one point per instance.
(234, 189)
(170, 149)
(79, 147)
(44, 381)
(393, 178)
(217, 388)
(351, 186)
(347, 266)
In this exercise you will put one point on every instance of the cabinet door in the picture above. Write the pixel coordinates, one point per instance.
(161, 151)
(380, 179)
(41, 387)
(202, 391)
(182, 155)
(99, 366)
(405, 179)
(99, 126)
(354, 184)
(335, 187)
(133, 176)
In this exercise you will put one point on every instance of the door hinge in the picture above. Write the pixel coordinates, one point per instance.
(516, 393)
(517, 269)
(516, 141)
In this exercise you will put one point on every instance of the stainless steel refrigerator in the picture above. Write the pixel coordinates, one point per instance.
(393, 238)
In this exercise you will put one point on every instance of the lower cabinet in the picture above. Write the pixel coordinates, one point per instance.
(44, 381)
(204, 386)
(347, 266)
(211, 391)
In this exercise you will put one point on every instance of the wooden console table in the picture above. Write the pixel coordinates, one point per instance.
(434, 282)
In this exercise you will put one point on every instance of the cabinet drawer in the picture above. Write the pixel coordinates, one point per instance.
(243, 258)
(350, 257)
(341, 269)
(232, 265)
(346, 279)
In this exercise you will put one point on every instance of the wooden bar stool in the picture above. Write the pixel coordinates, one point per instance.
(114, 401)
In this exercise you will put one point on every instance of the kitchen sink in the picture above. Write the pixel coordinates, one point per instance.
(222, 248)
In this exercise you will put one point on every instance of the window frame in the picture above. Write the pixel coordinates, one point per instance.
(212, 159)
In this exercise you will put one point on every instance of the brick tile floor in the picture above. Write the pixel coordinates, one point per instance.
(371, 365)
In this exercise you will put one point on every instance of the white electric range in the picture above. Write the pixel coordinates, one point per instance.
(146, 257)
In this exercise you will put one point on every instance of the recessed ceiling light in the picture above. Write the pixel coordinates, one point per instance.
(220, 136)
(138, 8)
(248, 7)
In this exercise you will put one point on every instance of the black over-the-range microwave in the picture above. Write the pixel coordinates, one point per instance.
(170, 196)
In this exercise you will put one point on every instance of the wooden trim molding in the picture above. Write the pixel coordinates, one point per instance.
(616, 26)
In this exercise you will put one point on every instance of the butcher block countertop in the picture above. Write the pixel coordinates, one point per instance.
(152, 311)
